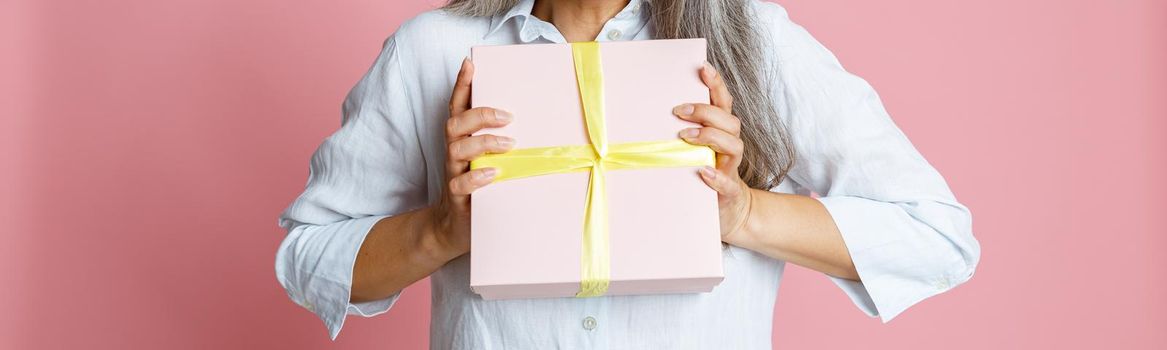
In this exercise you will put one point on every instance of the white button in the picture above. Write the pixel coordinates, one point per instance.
(589, 323)
(614, 35)
(635, 7)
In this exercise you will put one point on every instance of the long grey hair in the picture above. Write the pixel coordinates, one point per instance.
(735, 49)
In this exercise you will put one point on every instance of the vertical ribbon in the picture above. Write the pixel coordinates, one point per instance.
(589, 75)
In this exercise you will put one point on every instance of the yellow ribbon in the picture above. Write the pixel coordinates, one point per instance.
(598, 157)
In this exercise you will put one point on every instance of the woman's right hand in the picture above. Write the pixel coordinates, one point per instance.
(451, 216)
(389, 260)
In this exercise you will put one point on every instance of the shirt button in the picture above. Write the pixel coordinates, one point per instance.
(589, 323)
(614, 35)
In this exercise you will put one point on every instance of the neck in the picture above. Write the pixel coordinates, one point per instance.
(578, 20)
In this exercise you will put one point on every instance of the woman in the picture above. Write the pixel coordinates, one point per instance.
(387, 201)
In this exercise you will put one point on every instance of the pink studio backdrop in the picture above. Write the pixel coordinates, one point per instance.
(149, 145)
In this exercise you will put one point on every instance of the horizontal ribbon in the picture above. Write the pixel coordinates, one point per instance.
(597, 157)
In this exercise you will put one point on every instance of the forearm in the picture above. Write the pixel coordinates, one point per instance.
(398, 251)
(797, 229)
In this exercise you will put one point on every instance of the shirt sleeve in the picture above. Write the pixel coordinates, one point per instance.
(907, 235)
(371, 168)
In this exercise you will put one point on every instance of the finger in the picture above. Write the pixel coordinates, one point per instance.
(463, 185)
(460, 96)
(718, 92)
(460, 153)
(469, 148)
(720, 141)
(718, 181)
(474, 119)
(710, 116)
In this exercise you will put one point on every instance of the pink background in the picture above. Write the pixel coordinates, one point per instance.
(149, 145)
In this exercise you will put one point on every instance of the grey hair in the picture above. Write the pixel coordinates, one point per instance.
(735, 49)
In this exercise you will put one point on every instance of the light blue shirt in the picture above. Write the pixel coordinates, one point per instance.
(908, 236)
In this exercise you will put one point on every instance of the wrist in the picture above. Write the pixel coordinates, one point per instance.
(434, 241)
(744, 229)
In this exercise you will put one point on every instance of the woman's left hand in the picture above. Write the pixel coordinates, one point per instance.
(721, 131)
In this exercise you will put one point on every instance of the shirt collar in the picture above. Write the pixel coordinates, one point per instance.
(522, 12)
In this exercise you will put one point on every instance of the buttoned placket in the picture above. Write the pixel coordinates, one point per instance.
(626, 25)
(632, 21)
(594, 323)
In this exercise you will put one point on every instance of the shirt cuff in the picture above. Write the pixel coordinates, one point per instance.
(373, 308)
(333, 310)
(319, 277)
(896, 267)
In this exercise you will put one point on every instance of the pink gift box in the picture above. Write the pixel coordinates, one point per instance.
(526, 236)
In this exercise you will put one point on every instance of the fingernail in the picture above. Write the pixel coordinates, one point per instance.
(505, 142)
(689, 133)
(503, 116)
(487, 174)
(708, 171)
(707, 68)
(685, 109)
